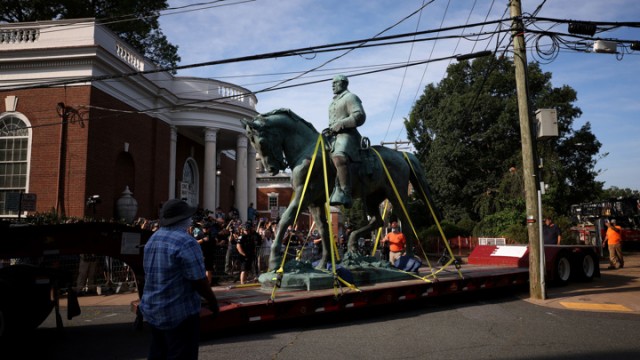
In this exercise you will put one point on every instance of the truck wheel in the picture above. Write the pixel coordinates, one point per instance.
(587, 267)
(25, 302)
(562, 270)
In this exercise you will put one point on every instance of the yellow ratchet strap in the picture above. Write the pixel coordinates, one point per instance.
(435, 218)
(404, 208)
(327, 214)
(334, 246)
(384, 213)
(280, 271)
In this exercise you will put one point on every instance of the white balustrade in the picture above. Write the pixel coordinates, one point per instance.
(129, 57)
(237, 94)
(13, 36)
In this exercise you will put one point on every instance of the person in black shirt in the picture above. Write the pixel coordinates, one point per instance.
(551, 232)
(246, 246)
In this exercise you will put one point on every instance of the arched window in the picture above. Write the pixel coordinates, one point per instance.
(15, 146)
(189, 186)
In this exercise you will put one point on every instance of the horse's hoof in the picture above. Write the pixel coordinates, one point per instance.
(341, 197)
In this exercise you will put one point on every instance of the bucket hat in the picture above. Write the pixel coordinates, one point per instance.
(174, 211)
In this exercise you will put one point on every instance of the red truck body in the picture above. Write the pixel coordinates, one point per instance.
(590, 219)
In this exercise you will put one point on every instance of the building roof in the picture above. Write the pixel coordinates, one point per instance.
(80, 52)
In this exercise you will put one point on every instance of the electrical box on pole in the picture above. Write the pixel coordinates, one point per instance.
(546, 123)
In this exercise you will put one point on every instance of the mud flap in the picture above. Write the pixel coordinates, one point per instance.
(73, 306)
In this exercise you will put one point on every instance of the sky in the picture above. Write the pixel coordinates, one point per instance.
(607, 85)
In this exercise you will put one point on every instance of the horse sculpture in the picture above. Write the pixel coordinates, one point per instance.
(283, 139)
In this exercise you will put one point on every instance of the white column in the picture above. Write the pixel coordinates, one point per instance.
(241, 202)
(172, 162)
(209, 186)
(251, 176)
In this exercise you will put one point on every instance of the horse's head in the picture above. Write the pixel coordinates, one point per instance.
(267, 142)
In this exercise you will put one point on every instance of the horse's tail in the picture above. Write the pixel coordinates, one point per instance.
(419, 181)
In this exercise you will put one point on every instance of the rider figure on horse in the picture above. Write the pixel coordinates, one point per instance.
(345, 115)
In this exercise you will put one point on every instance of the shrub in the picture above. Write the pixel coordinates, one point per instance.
(500, 224)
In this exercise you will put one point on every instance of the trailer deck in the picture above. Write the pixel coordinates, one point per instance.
(245, 305)
(489, 267)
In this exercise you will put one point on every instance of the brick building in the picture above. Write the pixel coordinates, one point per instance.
(83, 115)
(274, 195)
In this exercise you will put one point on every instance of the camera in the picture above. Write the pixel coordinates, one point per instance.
(93, 199)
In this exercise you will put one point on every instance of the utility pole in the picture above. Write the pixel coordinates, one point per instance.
(528, 162)
(67, 115)
(63, 112)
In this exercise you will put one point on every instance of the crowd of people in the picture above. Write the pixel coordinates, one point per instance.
(237, 250)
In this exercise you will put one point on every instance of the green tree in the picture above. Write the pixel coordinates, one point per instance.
(616, 192)
(135, 22)
(466, 132)
(357, 215)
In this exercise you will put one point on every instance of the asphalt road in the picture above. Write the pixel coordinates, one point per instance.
(492, 326)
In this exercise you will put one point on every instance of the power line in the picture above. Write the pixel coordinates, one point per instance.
(488, 71)
(634, 24)
(404, 75)
(308, 50)
(473, 48)
(134, 17)
(201, 6)
(269, 89)
(174, 108)
(356, 47)
(378, 41)
(264, 56)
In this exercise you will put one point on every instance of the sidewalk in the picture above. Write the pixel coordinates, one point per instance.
(615, 291)
(123, 299)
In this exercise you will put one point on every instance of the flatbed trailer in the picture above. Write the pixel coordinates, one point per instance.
(34, 296)
(489, 267)
(244, 306)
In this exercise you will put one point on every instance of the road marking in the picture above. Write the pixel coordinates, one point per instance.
(591, 306)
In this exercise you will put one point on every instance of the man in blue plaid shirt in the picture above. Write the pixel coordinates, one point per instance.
(175, 281)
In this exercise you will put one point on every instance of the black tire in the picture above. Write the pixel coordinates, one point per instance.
(562, 270)
(6, 309)
(586, 267)
(25, 302)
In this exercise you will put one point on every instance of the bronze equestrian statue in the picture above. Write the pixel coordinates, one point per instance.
(283, 139)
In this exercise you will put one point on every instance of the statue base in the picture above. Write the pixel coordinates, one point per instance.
(356, 270)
